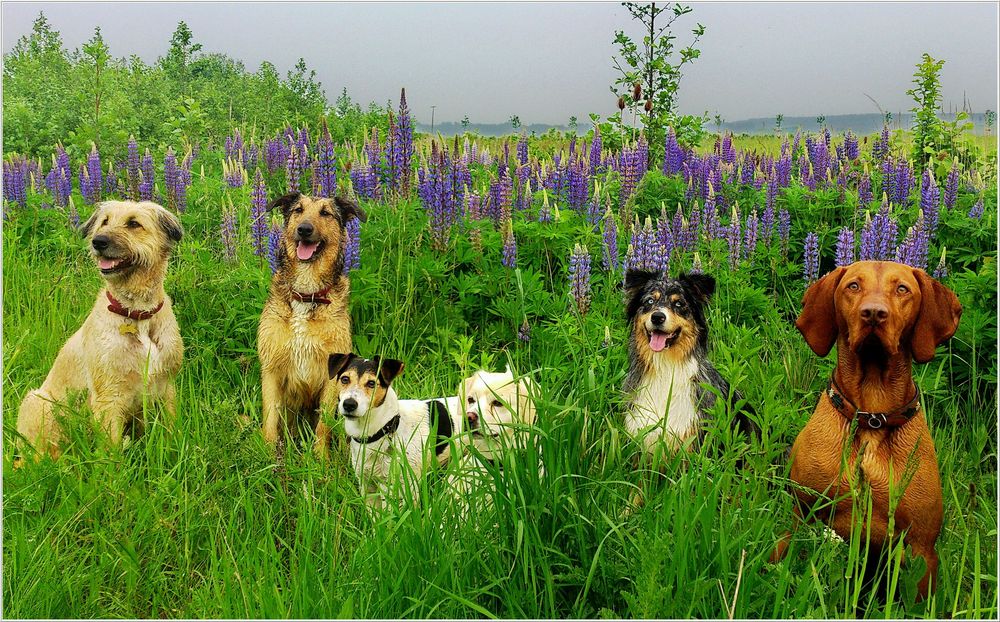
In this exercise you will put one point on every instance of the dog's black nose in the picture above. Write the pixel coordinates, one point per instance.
(473, 420)
(305, 229)
(874, 313)
(658, 318)
(101, 242)
(350, 405)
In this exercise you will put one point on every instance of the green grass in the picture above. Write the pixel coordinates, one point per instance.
(202, 520)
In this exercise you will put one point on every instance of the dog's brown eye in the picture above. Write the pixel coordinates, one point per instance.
(133, 224)
(370, 384)
(297, 210)
(902, 289)
(853, 286)
(105, 221)
(345, 380)
(497, 404)
(325, 213)
(472, 401)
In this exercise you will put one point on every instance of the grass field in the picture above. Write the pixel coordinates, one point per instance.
(203, 520)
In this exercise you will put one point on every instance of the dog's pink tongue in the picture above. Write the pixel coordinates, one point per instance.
(106, 264)
(305, 251)
(657, 341)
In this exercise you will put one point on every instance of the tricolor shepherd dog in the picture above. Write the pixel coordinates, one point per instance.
(393, 442)
(671, 385)
(306, 316)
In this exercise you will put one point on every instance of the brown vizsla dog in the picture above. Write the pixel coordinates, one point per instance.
(882, 316)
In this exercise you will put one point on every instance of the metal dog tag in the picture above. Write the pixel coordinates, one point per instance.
(128, 329)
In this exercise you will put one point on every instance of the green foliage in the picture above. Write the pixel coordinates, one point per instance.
(648, 84)
(932, 137)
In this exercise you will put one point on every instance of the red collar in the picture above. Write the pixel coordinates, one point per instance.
(315, 298)
(132, 314)
(872, 421)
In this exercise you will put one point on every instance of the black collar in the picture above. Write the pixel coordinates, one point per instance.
(388, 428)
(873, 421)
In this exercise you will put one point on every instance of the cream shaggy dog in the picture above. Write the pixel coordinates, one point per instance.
(129, 347)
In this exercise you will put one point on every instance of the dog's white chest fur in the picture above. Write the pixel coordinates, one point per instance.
(665, 404)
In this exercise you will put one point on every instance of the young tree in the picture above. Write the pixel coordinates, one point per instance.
(95, 52)
(649, 82)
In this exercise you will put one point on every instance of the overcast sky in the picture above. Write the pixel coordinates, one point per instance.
(545, 62)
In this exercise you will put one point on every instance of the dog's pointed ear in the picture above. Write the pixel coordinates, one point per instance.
(818, 320)
(88, 226)
(388, 369)
(703, 285)
(284, 203)
(937, 319)
(337, 363)
(170, 224)
(635, 279)
(349, 208)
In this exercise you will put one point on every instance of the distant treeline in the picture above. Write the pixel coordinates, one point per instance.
(859, 124)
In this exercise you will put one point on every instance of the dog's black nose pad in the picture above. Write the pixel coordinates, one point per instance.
(658, 318)
(101, 242)
(305, 229)
(473, 419)
(350, 404)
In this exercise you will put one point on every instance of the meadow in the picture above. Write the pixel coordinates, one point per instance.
(469, 260)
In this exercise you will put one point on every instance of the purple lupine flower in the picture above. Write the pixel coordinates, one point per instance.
(352, 245)
(951, 188)
(767, 225)
(147, 178)
(727, 151)
(522, 149)
(771, 195)
(403, 147)
(751, 234)
(95, 173)
(865, 195)
(275, 154)
(509, 259)
(630, 173)
(784, 229)
(673, 161)
(325, 165)
(880, 147)
(851, 150)
(595, 152)
(929, 201)
(232, 172)
(258, 213)
(73, 215)
(734, 238)
(941, 271)
(524, 333)
(132, 169)
(578, 185)
(845, 247)
(904, 182)
(916, 245)
(171, 178)
(274, 247)
(15, 182)
(227, 232)
(696, 264)
(610, 237)
(878, 236)
(810, 254)
(292, 172)
(579, 277)
(976, 211)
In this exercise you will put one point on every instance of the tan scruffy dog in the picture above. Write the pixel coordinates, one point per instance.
(129, 346)
(306, 316)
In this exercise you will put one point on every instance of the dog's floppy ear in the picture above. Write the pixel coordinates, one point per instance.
(337, 363)
(635, 279)
(818, 320)
(170, 224)
(88, 227)
(937, 319)
(703, 285)
(284, 203)
(389, 369)
(349, 208)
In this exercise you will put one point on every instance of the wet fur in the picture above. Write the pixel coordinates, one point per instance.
(99, 359)
(294, 339)
(667, 388)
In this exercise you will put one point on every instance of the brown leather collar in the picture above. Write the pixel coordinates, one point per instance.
(315, 298)
(132, 314)
(872, 421)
